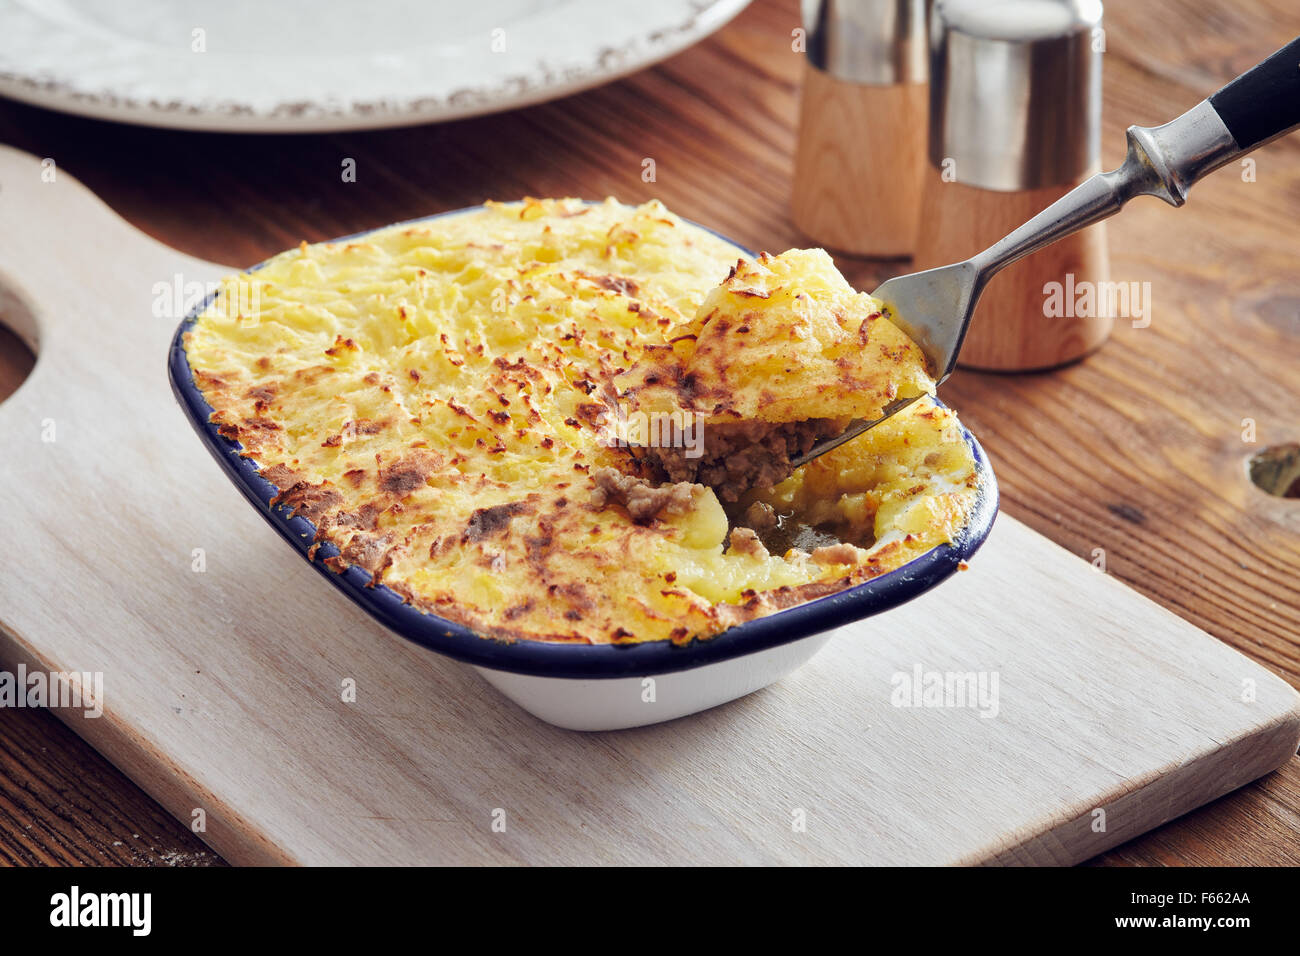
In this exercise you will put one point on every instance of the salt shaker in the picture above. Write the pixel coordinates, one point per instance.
(862, 125)
(1015, 123)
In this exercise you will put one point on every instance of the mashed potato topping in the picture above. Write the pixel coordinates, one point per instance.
(783, 353)
(783, 338)
(437, 398)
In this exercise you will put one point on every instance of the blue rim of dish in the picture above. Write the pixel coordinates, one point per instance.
(580, 661)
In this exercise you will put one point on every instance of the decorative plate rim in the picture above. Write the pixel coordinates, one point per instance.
(544, 81)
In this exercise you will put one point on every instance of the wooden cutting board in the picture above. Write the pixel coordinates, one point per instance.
(222, 687)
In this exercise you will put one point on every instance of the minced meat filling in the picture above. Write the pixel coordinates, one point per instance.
(761, 517)
(743, 455)
(644, 502)
(745, 541)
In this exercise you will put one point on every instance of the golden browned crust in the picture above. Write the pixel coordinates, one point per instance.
(781, 355)
(435, 400)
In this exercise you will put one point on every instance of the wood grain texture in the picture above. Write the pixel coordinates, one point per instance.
(16, 361)
(1137, 451)
(63, 803)
(1012, 329)
(859, 164)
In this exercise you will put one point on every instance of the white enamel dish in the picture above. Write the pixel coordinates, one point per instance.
(603, 687)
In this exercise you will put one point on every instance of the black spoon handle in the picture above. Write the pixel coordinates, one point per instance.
(1264, 102)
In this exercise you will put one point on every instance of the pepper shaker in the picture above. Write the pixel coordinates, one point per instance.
(862, 125)
(1015, 123)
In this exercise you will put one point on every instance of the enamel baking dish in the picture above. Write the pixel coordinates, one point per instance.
(601, 687)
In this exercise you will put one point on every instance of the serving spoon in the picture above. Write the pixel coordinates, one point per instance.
(934, 307)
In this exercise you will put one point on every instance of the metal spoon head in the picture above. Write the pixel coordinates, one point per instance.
(856, 428)
(934, 308)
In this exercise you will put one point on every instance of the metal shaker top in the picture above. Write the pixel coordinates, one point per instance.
(1015, 91)
(874, 42)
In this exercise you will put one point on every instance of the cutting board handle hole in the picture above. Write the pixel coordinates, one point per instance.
(18, 339)
(1276, 470)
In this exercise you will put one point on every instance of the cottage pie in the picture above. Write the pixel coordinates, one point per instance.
(534, 419)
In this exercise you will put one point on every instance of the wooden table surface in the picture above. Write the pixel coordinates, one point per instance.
(1139, 450)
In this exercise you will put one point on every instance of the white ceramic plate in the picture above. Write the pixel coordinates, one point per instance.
(312, 65)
